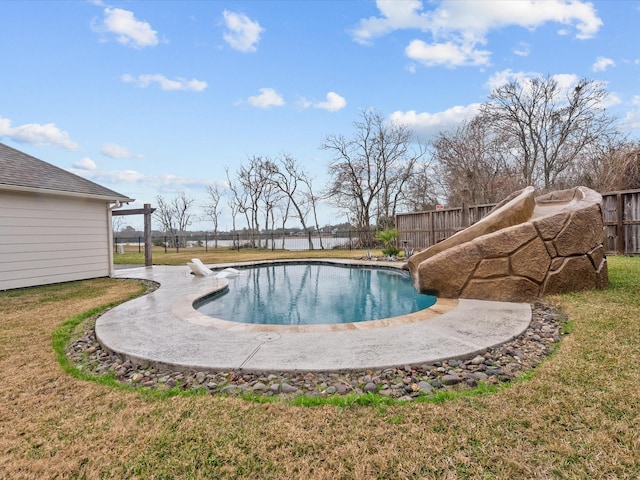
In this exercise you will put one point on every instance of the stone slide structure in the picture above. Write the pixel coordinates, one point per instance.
(527, 247)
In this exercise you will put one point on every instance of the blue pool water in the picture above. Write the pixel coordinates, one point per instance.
(311, 294)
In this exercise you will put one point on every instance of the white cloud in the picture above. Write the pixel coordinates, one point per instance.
(428, 125)
(611, 100)
(465, 16)
(86, 164)
(395, 15)
(112, 177)
(303, 102)
(566, 82)
(631, 120)
(117, 151)
(140, 184)
(333, 103)
(498, 79)
(127, 176)
(457, 27)
(166, 84)
(523, 49)
(170, 183)
(37, 134)
(448, 54)
(164, 182)
(242, 33)
(128, 30)
(268, 98)
(602, 63)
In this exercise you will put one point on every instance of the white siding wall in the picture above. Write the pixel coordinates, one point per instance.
(49, 239)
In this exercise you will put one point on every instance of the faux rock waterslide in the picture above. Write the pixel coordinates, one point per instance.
(527, 247)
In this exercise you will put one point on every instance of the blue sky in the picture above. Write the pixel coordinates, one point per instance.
(159, 97)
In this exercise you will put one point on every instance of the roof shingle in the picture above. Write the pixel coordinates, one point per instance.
(17, 169)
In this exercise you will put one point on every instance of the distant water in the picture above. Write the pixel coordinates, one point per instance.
(289, 243)
(292, 243)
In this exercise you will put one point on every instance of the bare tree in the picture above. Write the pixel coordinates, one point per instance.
(399, 155)
(165, 215)
(271, 195)
(422, 190)
(117, 223)
(550, 126)
(234, 209)
(473, 164)
(289, 177)
(212, 208)
(312, 201)
(255, 195)
(266, 190)
(609, 167)
(369, 170)
(174, 217)
(238, 202)
(284, 207)
(181, 205)
(250, 180)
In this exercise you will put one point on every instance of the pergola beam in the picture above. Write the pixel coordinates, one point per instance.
(146, 211)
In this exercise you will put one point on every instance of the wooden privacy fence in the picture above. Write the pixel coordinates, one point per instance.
(621, 214)
(620, 210)
(423, 229)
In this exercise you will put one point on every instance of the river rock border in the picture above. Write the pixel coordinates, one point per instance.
(497, 365)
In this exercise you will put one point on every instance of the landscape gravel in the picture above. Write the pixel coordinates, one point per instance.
(501, 364)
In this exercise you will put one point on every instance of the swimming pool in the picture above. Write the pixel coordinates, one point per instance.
(313, 294)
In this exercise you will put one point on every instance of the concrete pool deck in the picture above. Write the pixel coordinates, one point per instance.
(163, 329)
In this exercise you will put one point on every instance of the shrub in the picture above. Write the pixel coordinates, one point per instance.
(389, 237)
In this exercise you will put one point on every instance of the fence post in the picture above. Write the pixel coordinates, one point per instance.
(349, 239)
(620, 227)
(165, 244)
(206, 242)
(238, 238)
(464, 215)
(177, 244)
(139, 246)
(309, 234)
(432, 229)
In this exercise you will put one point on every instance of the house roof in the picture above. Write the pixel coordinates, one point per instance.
(22, 172)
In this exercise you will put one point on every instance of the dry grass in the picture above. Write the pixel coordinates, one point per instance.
(578, 417)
